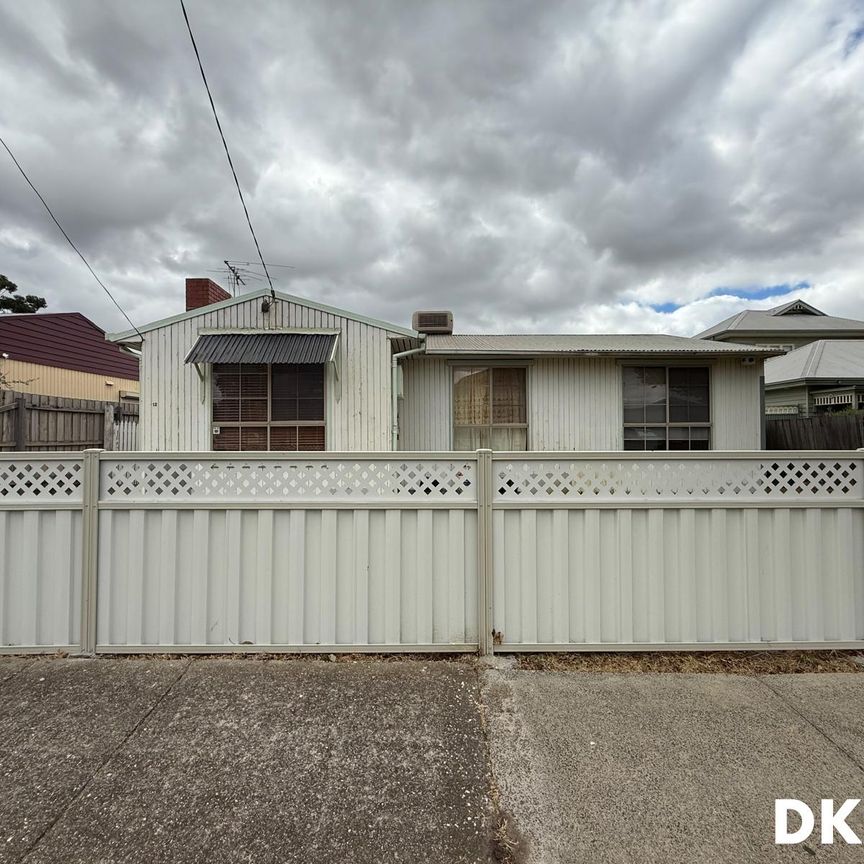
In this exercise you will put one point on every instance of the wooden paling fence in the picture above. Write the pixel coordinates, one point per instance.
(36, 423)
(818, 432)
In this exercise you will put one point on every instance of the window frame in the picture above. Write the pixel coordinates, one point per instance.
(671, 424)
(454, 365)
(270, 423)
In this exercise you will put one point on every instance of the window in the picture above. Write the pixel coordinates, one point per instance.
(489, 408)
(666, 408)
(260, 407)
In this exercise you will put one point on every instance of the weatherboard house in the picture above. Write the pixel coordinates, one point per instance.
(283, 373)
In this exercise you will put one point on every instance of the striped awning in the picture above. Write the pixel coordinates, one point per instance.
(263, 348)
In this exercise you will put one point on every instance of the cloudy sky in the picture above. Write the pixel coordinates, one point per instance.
(544, 166)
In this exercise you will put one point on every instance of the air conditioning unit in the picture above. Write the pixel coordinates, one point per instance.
(433, 322)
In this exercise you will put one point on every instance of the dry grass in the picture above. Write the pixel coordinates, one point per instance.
(724, 662)
(282, 656)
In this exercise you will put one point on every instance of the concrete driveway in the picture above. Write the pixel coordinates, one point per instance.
(238, 760)
(670, 767)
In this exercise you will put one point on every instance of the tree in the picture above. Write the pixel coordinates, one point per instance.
(11, 301)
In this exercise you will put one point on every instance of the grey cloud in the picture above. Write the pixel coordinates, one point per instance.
(535, 166)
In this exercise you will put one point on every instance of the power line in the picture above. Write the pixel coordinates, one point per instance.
(225, 145)
(68, 238)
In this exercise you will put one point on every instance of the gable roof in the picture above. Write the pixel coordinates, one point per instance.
(584, 343)
(65, 340)
(133, 335)
(826, 359)
(796, 316)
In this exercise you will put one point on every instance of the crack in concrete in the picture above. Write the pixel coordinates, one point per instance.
(105, 762)
(504, 840)
(811, 723)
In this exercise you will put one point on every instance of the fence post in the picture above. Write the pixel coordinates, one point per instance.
(90, 551)
(108, 428)
(20, 423)
(484, 551)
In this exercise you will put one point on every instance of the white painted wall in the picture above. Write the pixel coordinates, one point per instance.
(174, 417)
(576, 403)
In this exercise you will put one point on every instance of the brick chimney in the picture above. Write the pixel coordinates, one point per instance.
(203, 292)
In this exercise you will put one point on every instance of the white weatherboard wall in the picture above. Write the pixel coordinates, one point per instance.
(624, 551)
(174, 417)
(576, 403)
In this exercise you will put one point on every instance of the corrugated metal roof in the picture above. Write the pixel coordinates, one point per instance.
(262, 348)
(829, 359)
(579, 343)
(778, 320)
(65, 340)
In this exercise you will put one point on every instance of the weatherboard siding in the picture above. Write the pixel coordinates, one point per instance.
(736, 408)
(175, 406)
(54, 381)
(575, 403)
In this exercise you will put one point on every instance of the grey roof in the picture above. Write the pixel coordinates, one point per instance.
(579, 343)
(783, 319)
(826, 359)
(262, 348)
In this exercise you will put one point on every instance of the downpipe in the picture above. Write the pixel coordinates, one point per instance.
(394, 396)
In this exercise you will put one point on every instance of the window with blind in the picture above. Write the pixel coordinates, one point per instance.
(666, 408)
(489, 408)
(261, 407)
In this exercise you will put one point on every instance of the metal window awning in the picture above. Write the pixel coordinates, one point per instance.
(264, 348)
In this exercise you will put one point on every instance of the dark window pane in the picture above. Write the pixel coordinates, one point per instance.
(634, 414)
(283, 437)
(284, 409)
(253, 438)
(253, 410)
(227, 439)
(310, 438)
(226, 410)
(226, 392)
(310, 409)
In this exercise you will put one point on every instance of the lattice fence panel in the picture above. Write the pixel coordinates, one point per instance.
(714, 479)
(41, 480)
(283, 480)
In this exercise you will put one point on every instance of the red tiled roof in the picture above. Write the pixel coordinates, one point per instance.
(67, 340)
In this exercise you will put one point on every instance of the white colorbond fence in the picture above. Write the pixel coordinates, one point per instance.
(127, 552)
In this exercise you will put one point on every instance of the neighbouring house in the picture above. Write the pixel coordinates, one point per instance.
(822, 377)
(785, 327)
(251, 373)
(64, 354)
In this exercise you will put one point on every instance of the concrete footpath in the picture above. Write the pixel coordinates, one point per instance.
(240, 761)
(672, 767)
(245, 760)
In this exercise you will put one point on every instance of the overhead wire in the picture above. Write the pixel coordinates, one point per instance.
(225, 145)
(68, 238)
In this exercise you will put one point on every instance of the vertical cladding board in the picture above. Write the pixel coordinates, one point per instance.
(736, 413)
(359, 406)
(575, 403)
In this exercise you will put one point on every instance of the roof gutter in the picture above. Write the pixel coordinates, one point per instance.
(394, 395)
